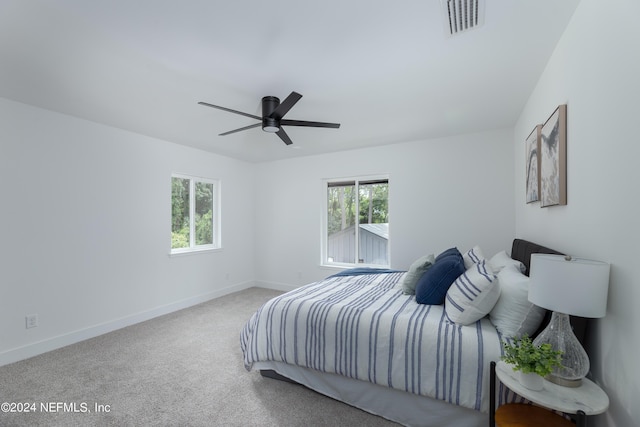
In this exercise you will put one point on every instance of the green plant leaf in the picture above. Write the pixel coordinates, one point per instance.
(528, 358)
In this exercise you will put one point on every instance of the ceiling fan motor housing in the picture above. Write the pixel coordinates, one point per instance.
(269, 104)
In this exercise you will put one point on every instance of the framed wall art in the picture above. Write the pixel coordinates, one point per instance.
(532, 161)
(553, 159)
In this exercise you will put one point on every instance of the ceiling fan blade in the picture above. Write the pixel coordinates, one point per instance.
(241, 129)
(285, 106)
(309, 124)
(284, 137)
(206, 104)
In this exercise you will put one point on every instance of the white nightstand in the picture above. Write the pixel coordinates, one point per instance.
(588, 399)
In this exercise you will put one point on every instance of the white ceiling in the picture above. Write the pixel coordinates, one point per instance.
(385, 70)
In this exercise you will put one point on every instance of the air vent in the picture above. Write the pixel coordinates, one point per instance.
(462, 15)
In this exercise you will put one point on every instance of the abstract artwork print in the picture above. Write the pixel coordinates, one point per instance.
(532, 153)
(553, 159)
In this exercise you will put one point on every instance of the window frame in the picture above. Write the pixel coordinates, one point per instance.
(216, 215)
(357, 180)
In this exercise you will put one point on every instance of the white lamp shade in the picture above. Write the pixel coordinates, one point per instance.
(577, 286)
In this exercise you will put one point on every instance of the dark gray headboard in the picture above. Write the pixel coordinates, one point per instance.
(521, 250)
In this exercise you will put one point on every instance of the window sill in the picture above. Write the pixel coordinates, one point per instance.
(333, 267)
(193, 252)
(350, 266)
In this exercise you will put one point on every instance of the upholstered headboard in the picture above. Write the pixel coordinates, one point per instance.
(521, 250)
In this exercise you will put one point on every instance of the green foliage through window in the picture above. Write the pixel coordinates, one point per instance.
(192, 212)
(179, 213)
(374, 203)
(341, 204)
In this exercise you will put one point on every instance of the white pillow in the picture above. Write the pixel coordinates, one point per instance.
(501, 259)
(472, 256)
(472, 295)
(513, 314)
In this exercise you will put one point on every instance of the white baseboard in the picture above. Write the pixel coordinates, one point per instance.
(49, 344)
(285, 287)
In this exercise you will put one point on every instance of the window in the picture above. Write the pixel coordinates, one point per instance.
(357, 222)
(195, 219)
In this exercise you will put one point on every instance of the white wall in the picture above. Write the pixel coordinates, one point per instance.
(86, 219)
(453, 191)
(86, 229)
(595, 70)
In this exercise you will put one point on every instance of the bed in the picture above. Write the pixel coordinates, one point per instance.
(360, 338)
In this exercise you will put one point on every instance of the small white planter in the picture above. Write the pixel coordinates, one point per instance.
(531, 381)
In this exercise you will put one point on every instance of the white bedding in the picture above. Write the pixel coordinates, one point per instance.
(363, 327)
(401, 407)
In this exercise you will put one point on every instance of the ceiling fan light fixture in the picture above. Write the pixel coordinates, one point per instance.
(270, 125)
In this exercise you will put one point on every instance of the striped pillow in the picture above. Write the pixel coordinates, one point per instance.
(472, 295)
(472, 256)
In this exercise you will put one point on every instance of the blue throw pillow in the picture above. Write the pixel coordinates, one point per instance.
(435, 282)
(448, 252)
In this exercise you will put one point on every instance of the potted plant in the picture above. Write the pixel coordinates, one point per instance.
(534, 362)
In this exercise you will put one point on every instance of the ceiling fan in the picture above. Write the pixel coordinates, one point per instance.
(272, 117)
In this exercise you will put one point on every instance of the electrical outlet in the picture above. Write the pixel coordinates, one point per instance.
(31, 321)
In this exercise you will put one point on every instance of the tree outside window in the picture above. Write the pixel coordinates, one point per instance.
(194, 218)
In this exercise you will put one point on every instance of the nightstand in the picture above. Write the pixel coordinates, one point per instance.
(588, 399)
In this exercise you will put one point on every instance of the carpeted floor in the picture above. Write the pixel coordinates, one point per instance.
(182, 369)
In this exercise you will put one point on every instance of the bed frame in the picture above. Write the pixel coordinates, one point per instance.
(521, 250)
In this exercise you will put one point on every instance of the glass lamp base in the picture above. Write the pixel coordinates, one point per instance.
(575, 362)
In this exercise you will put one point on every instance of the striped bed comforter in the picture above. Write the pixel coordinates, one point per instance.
(364, 327)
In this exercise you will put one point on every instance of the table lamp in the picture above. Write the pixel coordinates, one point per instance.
(567, 286)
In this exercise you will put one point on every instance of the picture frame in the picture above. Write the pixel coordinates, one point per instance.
(532, 162)
(553, 159)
